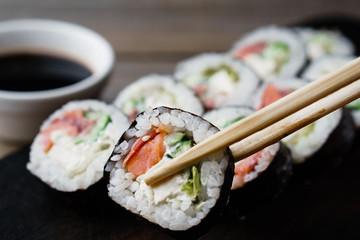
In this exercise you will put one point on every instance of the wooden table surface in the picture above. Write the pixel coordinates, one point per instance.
(152, 36)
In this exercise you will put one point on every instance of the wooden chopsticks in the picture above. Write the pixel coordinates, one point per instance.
(295, 121)
(305, 98)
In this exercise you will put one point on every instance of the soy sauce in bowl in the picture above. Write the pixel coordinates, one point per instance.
(24, 72)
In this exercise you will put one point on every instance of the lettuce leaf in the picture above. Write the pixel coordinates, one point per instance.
(192, 185)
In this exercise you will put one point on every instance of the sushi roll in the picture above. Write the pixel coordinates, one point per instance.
(329, 136)
(156, 90)
(184, 204)
(217, 79)
(321, 42)
(327, 64)
(272, 51)
(74, 143)
(273, 160)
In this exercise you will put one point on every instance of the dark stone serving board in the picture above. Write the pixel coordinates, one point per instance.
(320, 206)
(325, 206)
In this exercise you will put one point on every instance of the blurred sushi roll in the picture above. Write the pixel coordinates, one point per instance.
(156, 90)
(74, 143)
(217, 79)
(186, 202)
(272, 51)
(275, 159)
(331, 135)
(327, 64)
(325, 42)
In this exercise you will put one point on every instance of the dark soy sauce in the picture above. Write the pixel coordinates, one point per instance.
(35, 72)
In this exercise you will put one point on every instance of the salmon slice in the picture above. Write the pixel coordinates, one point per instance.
(145, 154)
(272, 94)
(251, 49)
(209, 103)
(72, 122)
(140, 142)
(244, 167)
(200, 88)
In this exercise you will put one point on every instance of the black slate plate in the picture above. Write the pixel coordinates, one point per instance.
(29, 209)
(324, 206)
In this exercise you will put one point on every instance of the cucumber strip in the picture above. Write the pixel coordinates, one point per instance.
(101, 124)
(183, 146)
(355, 105)
(232, 121)
(173, 138)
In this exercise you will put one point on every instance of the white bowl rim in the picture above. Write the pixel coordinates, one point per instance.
(50, 24)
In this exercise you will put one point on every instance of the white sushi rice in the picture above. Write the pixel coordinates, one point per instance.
(221, 116)
(166, 204)
(267, 155)
(159, 90)
(308, 140)
(273, 33)
(67, 166)
(224, 91)
(325, 65)
(325, 42)
(311, 141)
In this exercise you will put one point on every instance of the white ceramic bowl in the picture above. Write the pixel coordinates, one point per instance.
(21, 113)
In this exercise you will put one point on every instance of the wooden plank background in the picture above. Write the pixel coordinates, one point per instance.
(153, 35)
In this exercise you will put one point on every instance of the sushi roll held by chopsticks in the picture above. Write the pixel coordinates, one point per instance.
(184, 203)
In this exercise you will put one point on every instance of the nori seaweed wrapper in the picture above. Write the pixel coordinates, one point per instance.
(331, 154)
(267, 186)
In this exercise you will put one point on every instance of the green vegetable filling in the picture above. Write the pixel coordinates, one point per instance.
(303, 133)
(173, 138)
(208, 73)
(192, 185)
(278, 51)
(231, 122)
(101, 124)
(134, 104)
(355, 105)
(78, 142)
(102, 120)
(181, 143)
(182, 147)
(324, 40)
